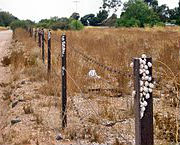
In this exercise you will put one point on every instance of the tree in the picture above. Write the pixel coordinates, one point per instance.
(19, 24)
(102, 15)
(138, 12)
(111, 4)
(163, 12)
(148, 1)
(45, 23)
(86, 19)
(60, 23)
(174, 15)
(75, 16)
(132, 22)
(6, 18)
(93, 20)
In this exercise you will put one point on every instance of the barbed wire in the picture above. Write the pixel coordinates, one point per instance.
(103, 66)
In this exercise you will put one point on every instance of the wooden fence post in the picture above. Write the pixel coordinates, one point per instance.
(39, 37)
(143, 101)
(31, 31)
(42, 45)
(35, 34)
(64, 83)
(49, 51)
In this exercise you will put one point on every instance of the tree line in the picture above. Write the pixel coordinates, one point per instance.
(135, 13)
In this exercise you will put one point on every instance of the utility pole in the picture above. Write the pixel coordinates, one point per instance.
(76, 2)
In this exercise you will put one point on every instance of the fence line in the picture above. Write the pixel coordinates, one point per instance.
(142, 95)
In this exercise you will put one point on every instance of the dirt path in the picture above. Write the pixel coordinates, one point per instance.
(5, 42)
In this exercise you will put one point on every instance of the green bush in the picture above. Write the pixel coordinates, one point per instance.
(42, 25)
(19, 24)
(160, 24)
(60, 25)
(132, 22)
(76, 25)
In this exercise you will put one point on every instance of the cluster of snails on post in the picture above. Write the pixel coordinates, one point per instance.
(146, 85)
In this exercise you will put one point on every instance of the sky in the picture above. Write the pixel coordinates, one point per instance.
(40, 9)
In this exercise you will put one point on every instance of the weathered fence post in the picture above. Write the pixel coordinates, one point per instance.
(35, 34)
(63, 73)
(49, 51)
(39, 37)
(31, 31)
(143, 101)
(42, 45)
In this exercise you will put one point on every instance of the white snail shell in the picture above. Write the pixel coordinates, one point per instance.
(146, 89)
(141, 66)
(149, 64)
(145, 103)
(141, 83)
(140, 60)
(133, 93)
(143, 78)
(151, 85)
(141, 114)
(146, 83)
(144, 56)
(141, 71)
(146, 67)
(132, 64)
(147, 72)
(143, 109)
(144, 93)
(146, 78)
(141, 89)
(150, 79)
(150, 90)
(144, 62)
(147, 96)
(141, 95)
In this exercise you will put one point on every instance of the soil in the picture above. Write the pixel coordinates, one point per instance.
(5, 42)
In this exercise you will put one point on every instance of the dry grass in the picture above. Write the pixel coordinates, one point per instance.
(3, 28)
(115, 48)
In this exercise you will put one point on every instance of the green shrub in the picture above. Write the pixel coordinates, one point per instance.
(42, 25)
(132, 22)
(19, 24)
(76, 25)
(160, 24)
(60, 25)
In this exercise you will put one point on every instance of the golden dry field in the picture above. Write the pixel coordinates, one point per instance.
(100, 110)
(2, 28)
